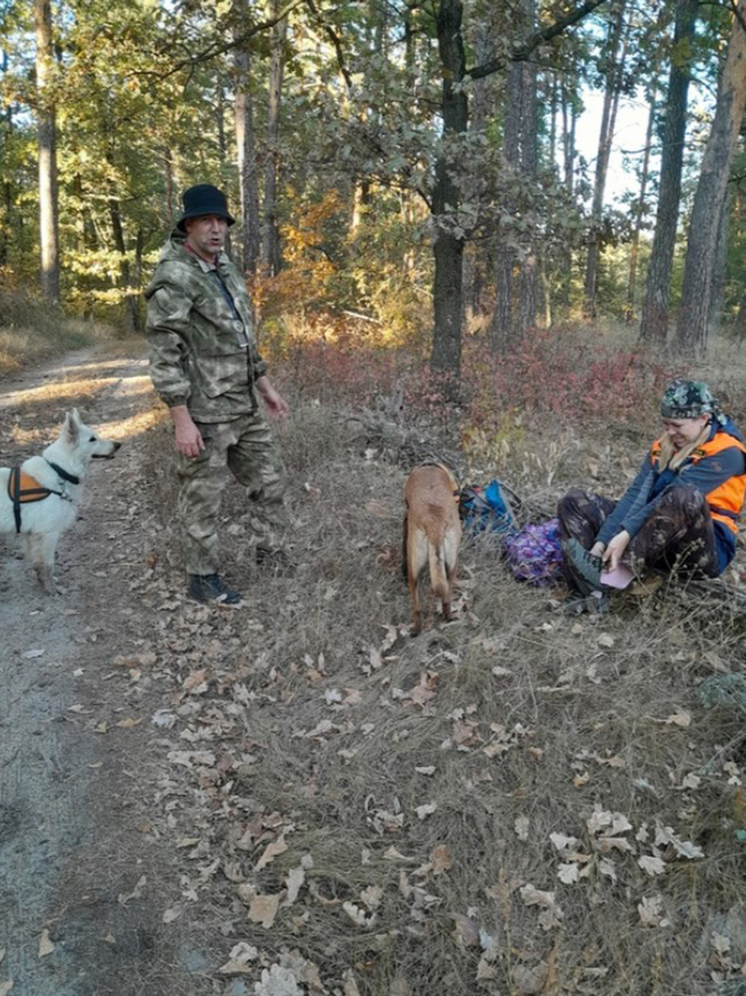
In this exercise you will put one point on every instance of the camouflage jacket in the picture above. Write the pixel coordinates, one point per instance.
(202, 350)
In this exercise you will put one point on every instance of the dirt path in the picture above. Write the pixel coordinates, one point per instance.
(80, 913)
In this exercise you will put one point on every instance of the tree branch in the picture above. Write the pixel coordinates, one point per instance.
(214, 50)
(336, 42)
(522, 53)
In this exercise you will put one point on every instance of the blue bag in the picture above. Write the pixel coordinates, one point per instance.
(489, 509)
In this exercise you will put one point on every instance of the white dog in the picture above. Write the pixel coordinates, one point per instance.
(39, 500)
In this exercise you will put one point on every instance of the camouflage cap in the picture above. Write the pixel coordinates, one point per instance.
(688, 399)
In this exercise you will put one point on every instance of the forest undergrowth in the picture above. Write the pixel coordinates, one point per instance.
(514, 802)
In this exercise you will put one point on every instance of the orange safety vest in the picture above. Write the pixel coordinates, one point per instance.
(726, 500)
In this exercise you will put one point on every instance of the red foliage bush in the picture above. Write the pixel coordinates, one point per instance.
(564, 373)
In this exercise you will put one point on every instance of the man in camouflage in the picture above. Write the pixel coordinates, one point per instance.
(205, 366)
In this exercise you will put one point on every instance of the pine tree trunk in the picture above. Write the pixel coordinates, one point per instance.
(47, 130)
(569, 123)
(718, 276)
(449, 246)
(246, 148)
(168, 181)
(501, 330)
(634, 253)
(271, 249)
(131, 310)
(701, 254)
(606, 135)
(529, 285)
(654, 321)
(476, 261)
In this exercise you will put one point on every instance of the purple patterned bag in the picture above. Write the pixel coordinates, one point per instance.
(534, 554)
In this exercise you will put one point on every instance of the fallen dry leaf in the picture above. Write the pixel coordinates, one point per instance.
(357, 914)
(263, 910)
(568, 873)
(652, 865)
(46, 946)
(5, 987)
(129, 723)
(650, 910)
(467, 931)
(136, 893)
(270, 852)
(294, 880)
(350, 985)
(240, 960)
(530, 981)
(427, 810)
(441, 859)
(521, 826)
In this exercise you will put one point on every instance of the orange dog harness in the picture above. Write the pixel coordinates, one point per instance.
(24, 488)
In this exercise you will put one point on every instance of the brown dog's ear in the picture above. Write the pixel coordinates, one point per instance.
(71, 426)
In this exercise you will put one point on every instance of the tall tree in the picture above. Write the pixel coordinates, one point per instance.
(634, 252)
(271, 248)
(654, 320)
(449, 238)
(248, 178)
(448, 248)
(529, 268)
(49, 237)
(702, 244)
(502, 326)
(615, 58)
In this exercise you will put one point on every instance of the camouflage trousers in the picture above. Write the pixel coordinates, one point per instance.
(243, 447)
(677, 536)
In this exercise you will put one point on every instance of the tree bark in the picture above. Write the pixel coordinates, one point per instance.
(569, 154)
(47, 130)
(718, 275)
(246, 148)
(606, 135)
(131, 309)
(654, 321)
(271, 248)
(529, 285)
(699, 267)
(634, 253)
(449, 243)
(501, 330)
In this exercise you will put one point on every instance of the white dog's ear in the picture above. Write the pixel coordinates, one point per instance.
(70, 427)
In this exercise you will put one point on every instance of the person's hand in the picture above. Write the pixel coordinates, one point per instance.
(187, 437)
(276, 405)
(615, 550)
(597, 550)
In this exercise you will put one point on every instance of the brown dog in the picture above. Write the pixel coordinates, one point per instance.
(432, 533)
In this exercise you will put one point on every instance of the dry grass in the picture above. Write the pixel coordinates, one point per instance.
(32, 331)
(523, 724)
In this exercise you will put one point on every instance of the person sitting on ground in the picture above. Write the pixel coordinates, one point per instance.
(679, 514)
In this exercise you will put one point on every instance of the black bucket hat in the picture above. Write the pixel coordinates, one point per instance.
(201, 200)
